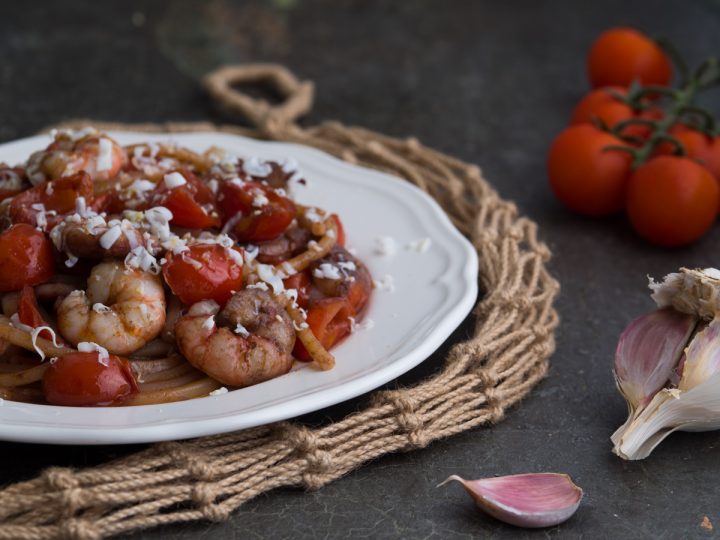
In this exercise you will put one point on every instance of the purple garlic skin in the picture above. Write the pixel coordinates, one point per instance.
(648, 351)
(532, 500)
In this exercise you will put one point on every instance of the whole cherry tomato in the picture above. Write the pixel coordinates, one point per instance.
(329, 321)
(26, 257)
(81, 379)
(700, 147)
(204, 272)
(620, 56)
(672, 201)
(601, 104)
(259, 212)
(584, 174)
(58, 196)
(192, 204)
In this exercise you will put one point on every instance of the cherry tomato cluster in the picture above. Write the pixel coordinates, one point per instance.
(637, 144)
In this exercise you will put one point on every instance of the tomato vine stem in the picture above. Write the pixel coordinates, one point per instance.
(682, 105)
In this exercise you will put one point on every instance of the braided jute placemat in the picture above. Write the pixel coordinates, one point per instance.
(208, 478)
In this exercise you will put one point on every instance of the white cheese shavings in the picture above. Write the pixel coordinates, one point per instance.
(301, 326)
(288, 269)
(204, 307)
(218, 391)
(71, 260)
(112, 235)
(385, 246)
(141, 258)
(104, 160)
(259, 199)
(81, 207)
(327, 271)
(266, 273)
(251, 252)
(347, 266)
(89, 346)
(235, 255)
(257, 167)
(367, 324)
(386, 283)
(312, 215)
(99, 307)
(259, 285)
(141, 186)
(292, 294)
(174, 179)
(15, 321)
(241, 330)
(421, 245)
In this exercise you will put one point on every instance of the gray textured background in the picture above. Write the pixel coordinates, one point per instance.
(488, 81)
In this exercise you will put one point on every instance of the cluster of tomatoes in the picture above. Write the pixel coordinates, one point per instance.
(636, 155)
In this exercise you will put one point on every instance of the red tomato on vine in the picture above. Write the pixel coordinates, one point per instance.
(585, 174)
(621, 55)
(672, 200)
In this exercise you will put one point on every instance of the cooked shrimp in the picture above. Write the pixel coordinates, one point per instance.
(99, 156)
(122, 310)
(252, 344)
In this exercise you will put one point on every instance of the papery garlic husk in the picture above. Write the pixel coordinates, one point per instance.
(526, 500)
(690, 398)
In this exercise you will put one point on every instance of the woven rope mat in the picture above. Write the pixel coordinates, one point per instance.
(210, 477)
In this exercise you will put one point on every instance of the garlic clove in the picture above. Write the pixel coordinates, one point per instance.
(526, 500)
(702, 357)
(648, 351)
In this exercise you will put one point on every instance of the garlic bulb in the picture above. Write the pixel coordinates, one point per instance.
(667, 364)
(526, 500)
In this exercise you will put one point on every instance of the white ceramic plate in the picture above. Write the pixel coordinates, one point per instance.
(434, 291)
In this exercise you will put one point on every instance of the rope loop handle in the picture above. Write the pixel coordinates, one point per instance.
(266, 117)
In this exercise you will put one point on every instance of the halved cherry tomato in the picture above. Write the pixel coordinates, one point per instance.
(620, 56)
(192, 204)
(29, 312)
(204, 272)
(584, 174)
(672, 200)
(57, 195)
(340, 230)
(263, 213)
(80, 379)
(26, 257)
(301, 283)
(329, 321)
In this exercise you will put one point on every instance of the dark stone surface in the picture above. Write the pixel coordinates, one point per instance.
(490, 82)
